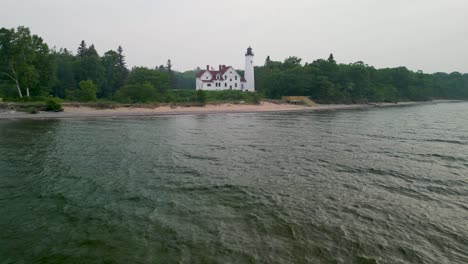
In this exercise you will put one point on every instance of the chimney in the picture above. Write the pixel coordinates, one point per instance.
(207, 67)
(220, 67)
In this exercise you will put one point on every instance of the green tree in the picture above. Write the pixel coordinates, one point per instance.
(158, 79)
(185, 80)
(331, 58)
(110, 62)
(200, 97)
(122, 68)
(25, 61)
(64, 73)
(89, 67)
(267, 61)
(82, 49)
(87, 91)
(137, 93)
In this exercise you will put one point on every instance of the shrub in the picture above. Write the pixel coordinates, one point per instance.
(87, 91)
(200, 97)
(256, 98)
(53, 105)
(31, 110)
(137, 93)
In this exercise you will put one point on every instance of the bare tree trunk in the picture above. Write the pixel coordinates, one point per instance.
(19, 89)
(16, 82)
(27, 91)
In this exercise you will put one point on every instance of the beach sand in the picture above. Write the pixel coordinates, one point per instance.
(89, 112)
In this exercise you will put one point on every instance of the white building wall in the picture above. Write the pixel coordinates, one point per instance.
(249, 73)
(231, 81)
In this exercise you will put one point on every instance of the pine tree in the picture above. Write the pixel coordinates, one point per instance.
(267, 61)
(331, 58)
(91, 51)
(82, 49)
(122, 67)
(169, 65)
(172, 76)
(122, 64)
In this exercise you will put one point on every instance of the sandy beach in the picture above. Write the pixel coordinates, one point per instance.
(76, 111)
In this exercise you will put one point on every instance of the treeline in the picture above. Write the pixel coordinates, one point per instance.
(329, 82)
(30, 70)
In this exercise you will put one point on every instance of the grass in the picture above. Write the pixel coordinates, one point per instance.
(173, 98)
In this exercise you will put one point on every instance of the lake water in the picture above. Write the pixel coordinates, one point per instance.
(382, 185)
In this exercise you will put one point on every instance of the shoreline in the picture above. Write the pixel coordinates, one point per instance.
(138, 111)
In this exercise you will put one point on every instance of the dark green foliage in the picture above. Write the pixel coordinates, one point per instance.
(31, 110)
(137, 93)
(228, 96)
(25, 63)
(53, 105)
(82, 49)
(185, 80)
(328, 82)
(122, 71)
(28, 66)
(110, 62)
(200, 97)
(64, 73)
(86, 92)
(89, 67)
(331, 58)
(159, 79)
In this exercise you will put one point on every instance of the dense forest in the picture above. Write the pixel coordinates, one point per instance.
(328, 81)
(30, 70)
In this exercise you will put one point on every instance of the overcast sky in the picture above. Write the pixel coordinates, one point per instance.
(428, 35)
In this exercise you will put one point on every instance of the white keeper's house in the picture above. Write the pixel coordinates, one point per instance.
(227, 78)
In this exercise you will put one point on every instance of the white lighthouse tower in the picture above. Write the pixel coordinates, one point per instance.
(249, 71)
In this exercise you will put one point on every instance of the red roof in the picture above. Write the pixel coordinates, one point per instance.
(200, 73)
(214, 73)
(224, 70)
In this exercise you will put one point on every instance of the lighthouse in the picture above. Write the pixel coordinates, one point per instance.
(249, 71)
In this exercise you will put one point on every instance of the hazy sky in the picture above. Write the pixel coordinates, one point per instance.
(428, 35)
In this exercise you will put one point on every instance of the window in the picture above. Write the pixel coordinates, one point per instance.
(225, 77)
(209, 85)
(230, 80)
(236, 85)
(225, 84)
(235, 78)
